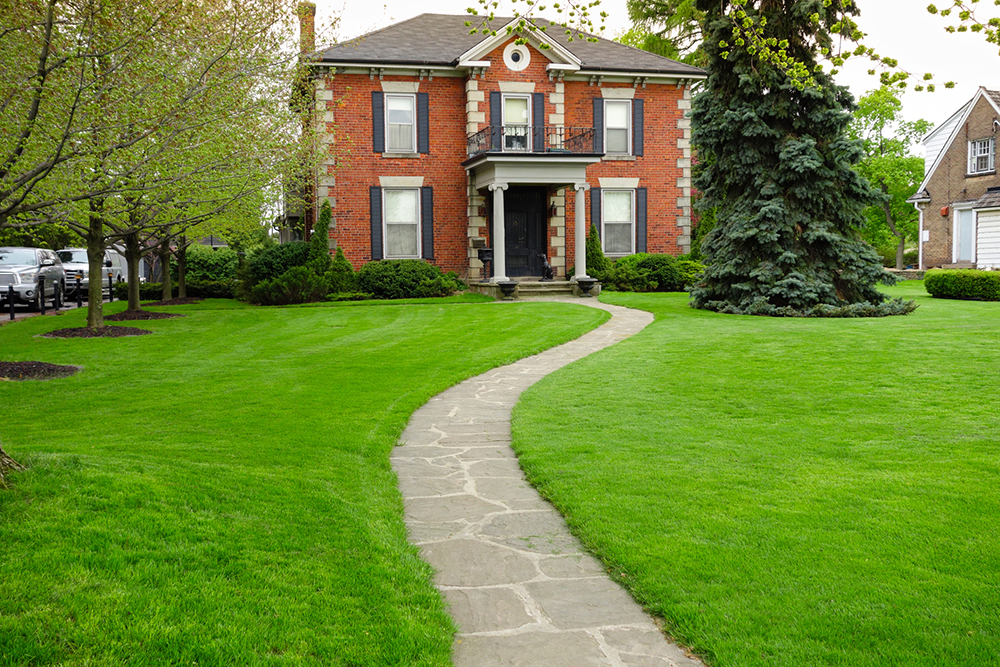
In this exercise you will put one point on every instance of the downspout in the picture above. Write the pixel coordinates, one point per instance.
(920, 236)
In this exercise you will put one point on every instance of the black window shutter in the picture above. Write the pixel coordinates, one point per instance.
(376, 210)
(423, 124)
(378, 121)
(637, 128)
(538, 120)
(595, 209)
(496, 122)
(598, 124)
(427, 221)
(640, 220)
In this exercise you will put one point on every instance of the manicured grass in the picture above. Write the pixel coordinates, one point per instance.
(219, 492)
(787, 491)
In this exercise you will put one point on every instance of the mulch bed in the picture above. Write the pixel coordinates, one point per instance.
(34, 370)
(96, 332)
(176, 302)
(130, 315)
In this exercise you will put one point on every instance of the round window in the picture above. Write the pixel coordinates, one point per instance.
(516, 57)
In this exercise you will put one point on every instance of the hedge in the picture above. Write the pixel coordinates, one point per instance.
(963, 284)
(405, 279)
(202, 289)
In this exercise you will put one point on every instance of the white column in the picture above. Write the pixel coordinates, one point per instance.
(499, 241)
(580, 270)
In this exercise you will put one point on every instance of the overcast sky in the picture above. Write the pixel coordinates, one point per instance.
(900, 29)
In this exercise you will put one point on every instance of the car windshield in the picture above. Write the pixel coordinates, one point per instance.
(14, 256)
(68, 256)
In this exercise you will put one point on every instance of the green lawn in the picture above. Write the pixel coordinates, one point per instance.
(219, 493)
(790, 492)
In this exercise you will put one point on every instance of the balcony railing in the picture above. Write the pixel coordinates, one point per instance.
(532, 139)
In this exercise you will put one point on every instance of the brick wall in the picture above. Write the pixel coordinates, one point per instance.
(950, 185)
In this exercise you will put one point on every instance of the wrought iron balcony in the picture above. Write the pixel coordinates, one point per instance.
(533, 139)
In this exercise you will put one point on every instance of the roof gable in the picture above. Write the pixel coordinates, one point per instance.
(556, 52)
(992, 97)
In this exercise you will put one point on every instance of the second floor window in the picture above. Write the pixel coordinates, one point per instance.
(400, 128)
(982, 156)
(516, 115)
(617, 127)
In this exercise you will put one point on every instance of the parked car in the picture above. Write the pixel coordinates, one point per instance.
(21, 268)
(77, 265)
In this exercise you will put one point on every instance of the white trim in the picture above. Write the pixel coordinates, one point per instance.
(618, 93)
(401, 181)
(413, 100)
(400, 86)
(628, 127)
(973, 157)
(619, 183)
(630, 76)
(604, 235)
(517, 86)
(385, 225)
(555, 52)
(955, 210)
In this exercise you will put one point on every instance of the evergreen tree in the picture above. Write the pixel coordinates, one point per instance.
(778, 172)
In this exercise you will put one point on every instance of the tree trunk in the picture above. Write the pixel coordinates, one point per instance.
(164, 254)
(95, 264)
(182, 268)
(7, 464)
(887, 209)
(132, 257)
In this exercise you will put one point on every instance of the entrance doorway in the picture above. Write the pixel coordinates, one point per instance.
(524, 228)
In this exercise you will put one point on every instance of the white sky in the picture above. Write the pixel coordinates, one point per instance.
(900, 29)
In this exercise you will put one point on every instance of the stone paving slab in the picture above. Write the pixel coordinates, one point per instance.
(519, 585)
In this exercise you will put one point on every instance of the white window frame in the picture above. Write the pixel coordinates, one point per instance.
(527, 126)
(628, 126)
(976, 151)
(386, 223)
(956, 230)
(604, 208)
(413, 134)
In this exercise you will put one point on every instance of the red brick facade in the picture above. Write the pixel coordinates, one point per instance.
(459, 105)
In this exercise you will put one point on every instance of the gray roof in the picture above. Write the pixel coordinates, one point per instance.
(995, 96)
(440, 39)
(989, 200)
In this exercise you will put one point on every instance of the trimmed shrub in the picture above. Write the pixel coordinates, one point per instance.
(200, 289)
(203, 263)
(319, 242)
(271, 263)
(663, 270)
(405, 279)
(690, 271)
(340, 276)
(349, 296)
(598, 265)
(299, 284)
(963, 284)
(626, 276)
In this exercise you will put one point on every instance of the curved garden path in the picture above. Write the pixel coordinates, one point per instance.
(521, 588)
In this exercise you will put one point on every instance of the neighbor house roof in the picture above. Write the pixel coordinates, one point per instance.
(441, 39)
(989, 200)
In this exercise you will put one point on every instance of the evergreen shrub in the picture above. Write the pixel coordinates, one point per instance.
(690, 271)
(405, 279)
(340, 276)
(963, 284)
(273, 262)
(299, 284)
(598, 265)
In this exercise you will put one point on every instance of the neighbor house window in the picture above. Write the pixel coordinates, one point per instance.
(618, 221)
(402, 222)
(400, 128)
(982, 156)
(617, 127)
(516, 112)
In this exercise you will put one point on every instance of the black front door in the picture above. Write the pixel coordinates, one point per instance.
(524, 228)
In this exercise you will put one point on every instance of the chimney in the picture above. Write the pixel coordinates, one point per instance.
(307, 26)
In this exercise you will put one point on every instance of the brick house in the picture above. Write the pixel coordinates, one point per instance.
(959, 198)
(441, 142)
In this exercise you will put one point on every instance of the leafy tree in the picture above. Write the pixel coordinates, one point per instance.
(890, 165)
(778, 172)
(669, 28)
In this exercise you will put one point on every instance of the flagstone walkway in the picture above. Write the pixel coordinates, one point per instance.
(521, 588)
